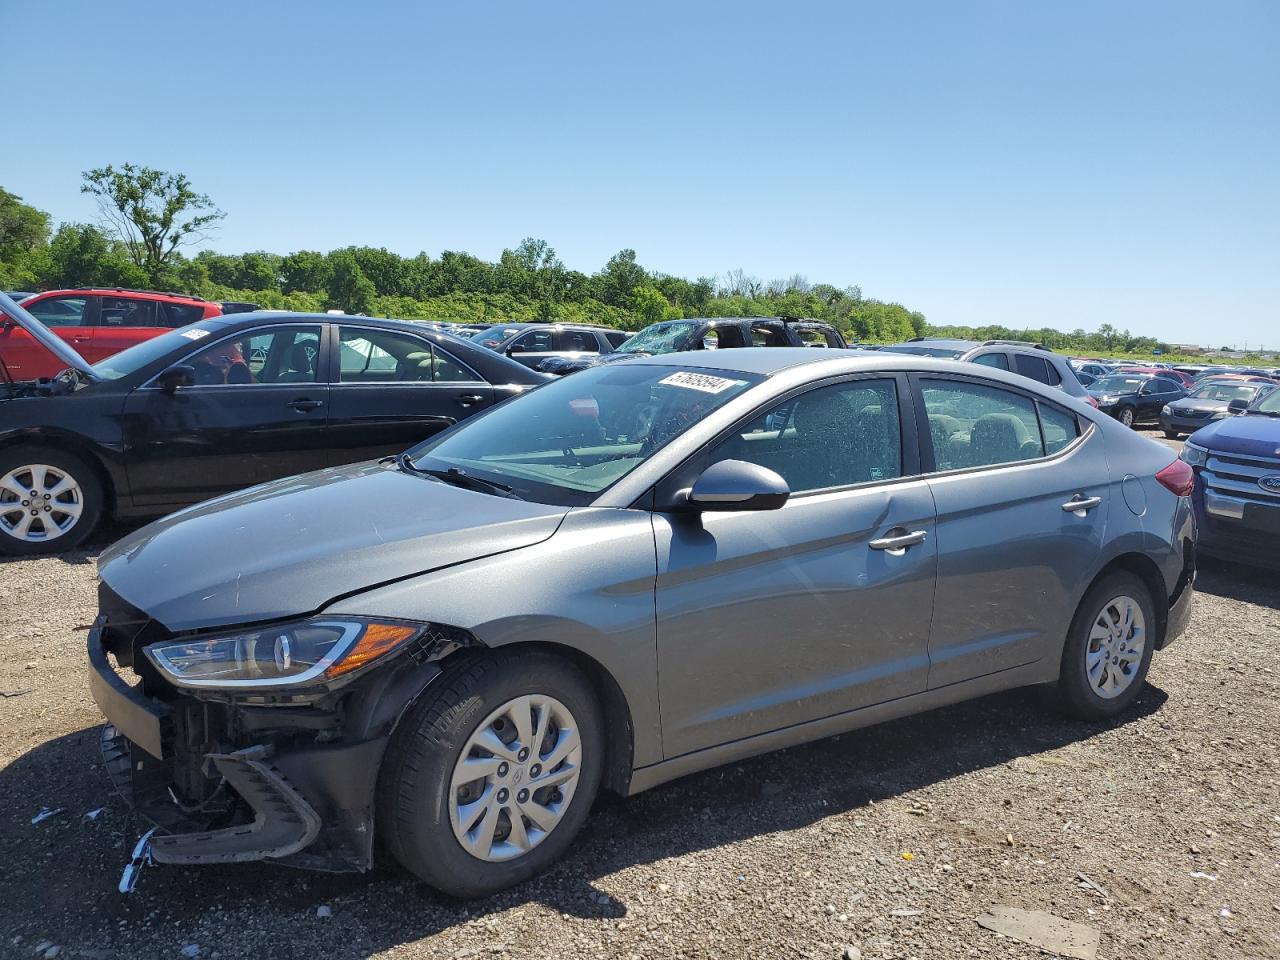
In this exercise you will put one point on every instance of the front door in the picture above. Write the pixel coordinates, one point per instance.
(393, 390)
(771, 619)
(71, 317)
(258, 411)
(1011, 559)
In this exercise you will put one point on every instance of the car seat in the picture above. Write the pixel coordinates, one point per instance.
(1000, 438)
(300, 369)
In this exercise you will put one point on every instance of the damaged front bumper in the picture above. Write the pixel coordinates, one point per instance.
(229, 782)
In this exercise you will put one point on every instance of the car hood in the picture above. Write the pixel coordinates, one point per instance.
(1253, 435)
(1112, 393)
(290, 547)
(1211, 405)
(47, 338)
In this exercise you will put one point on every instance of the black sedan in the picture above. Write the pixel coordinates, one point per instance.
(1135, 397)
(222, 404)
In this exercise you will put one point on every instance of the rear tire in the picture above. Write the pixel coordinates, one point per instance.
(425, 803)
(50, 500)
(1108, 649)
(1172, 434)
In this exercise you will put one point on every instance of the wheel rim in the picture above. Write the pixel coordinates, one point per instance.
(39, 503)
(1117, 642)
(1126, 417)
(515, 778)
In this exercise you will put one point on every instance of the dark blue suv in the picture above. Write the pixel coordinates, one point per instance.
(1237, 493)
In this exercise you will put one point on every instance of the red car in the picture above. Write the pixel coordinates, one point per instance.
(1185, 379)
(96, 322)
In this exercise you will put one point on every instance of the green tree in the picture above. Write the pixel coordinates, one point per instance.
(349, 289)
(305, 270)
(258, 271)
(23, 228)
(81, 255)
(152, 212)
(619, 278)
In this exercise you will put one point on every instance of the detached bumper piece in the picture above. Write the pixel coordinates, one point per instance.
(283, 822)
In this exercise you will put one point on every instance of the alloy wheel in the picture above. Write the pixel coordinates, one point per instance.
(39, 503)
(1117, 642)
(1126, 417)
(515, 778)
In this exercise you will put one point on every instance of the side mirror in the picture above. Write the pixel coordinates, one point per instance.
(738, 485)
(179, 375)
(1237, 406)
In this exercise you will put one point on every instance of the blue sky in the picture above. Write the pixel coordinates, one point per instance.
(1004, 162)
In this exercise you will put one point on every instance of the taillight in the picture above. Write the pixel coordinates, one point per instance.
(1091, 401)
(1178, 478)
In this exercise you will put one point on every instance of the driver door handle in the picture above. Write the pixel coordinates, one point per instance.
(897, 544)
(304, 405)
(467, 399)
(1081, 505)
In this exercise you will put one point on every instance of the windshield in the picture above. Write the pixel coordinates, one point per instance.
(670, 337)
(567, 441)
(946, 353)
(492, 336)
(140, 355)
(1118, 384)
(1226, 392)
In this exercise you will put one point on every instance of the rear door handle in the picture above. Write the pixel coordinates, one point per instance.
(897, 545)
(1081, 505)
(304, 406)
(467, 399)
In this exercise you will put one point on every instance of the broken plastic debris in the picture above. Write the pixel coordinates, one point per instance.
(905, 913)
(323, 911)
(44, 814)
(1043, 930)
(908, 855)
(141, 858)
(1224, 912)
(191, 950)
(1201, 875)
(94, 814)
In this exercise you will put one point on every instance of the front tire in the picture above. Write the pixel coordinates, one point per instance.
(1172, 434)
(50, 500)
(491, 776)
(1126, 416)
(1108, 649)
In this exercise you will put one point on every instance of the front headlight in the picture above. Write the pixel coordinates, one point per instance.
(291, 654)
(1194, 455)
(1166, 409)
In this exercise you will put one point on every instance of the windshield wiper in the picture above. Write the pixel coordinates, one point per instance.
(457, 478)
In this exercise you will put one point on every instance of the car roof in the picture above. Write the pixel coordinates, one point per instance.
(769, 360)
(124, 291)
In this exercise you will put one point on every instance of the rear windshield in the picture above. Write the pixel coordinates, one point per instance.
(1119, 384)
(144, 354)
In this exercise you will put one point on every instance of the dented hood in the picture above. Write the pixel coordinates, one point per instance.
(290, 547)
(47, 338)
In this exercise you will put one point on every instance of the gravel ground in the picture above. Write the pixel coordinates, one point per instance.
(889, 841)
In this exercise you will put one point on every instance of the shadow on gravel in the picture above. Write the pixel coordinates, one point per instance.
(1234, 581)
(76, 864)
(86, 553)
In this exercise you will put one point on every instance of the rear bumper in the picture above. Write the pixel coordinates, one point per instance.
(276, 792)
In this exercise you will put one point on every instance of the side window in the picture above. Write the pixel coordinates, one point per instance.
(997, 360)
(125, 312)
(763, 336)
(177, 314)
(449, 370)
(1055, 378)
(270, 355)
(380, 356)
(1060, 427)
(616, 338)
(1162, 385)
(978, 426)
(1034, 367)
(535, 341)
(830, 437)
(60, 311)
(576, 341)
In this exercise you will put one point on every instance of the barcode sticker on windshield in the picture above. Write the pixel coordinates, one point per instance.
(699, 381)
(194, 334)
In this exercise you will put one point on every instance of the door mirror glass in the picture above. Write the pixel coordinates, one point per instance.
(179, 375)
(738, 485)
(1238, 406)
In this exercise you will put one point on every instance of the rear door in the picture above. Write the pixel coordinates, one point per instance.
(72, 317)
(533, 347)
(1013, 554)
(122, 322)
(576, 344)
(771, 619)
(1155, 393)
(393, 389)
(258, 411)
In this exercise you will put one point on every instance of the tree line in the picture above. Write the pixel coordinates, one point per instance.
(148, 215)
